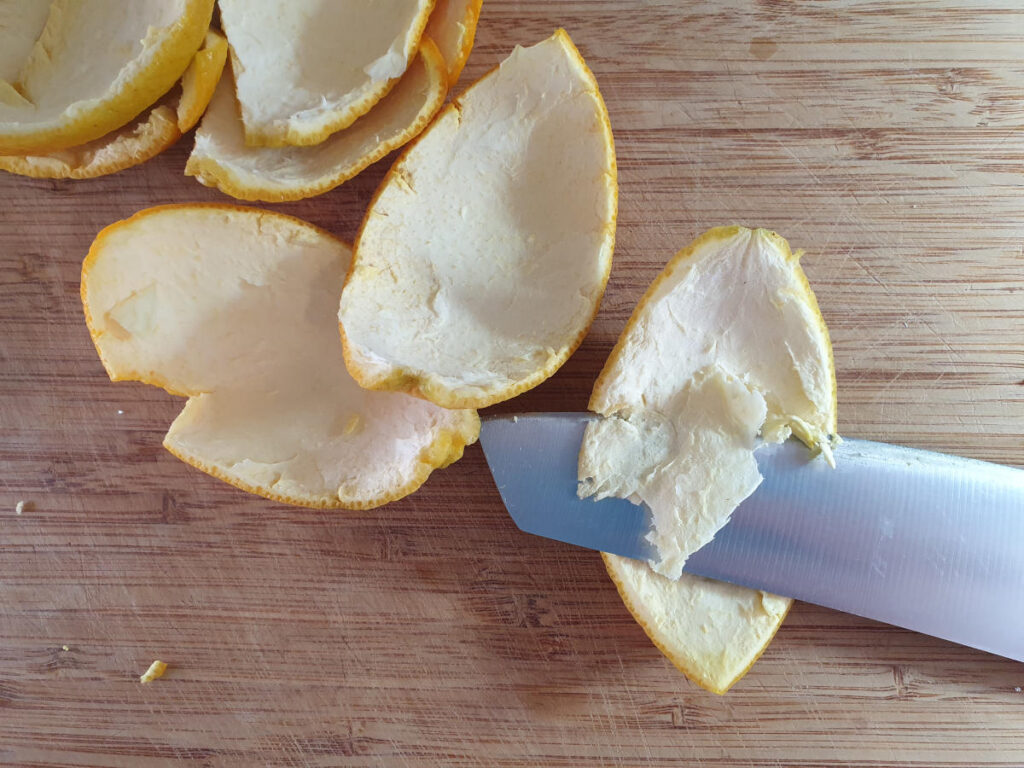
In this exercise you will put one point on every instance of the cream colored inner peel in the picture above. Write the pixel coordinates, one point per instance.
(727, 348)
(235, 309)
(307, 68)
(21, 23)
(80, 52)
(482, 259)
(142, 139)
(713, 631)
(221, 157)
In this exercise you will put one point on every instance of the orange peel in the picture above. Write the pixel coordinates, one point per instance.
(306, 68)
(452, 26)
(750, 355)
(233, 307)
(142, 139)
(222, 159)
(136, 53)
(482, 259)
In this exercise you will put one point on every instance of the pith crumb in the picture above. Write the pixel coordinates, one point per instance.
(156, 669)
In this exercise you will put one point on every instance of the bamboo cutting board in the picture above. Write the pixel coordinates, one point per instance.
(887, 139)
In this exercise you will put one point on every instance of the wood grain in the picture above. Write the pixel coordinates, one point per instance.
(884, 138)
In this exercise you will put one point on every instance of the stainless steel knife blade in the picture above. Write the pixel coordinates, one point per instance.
(922, 540)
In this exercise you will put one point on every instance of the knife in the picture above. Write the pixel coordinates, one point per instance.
(922, 540)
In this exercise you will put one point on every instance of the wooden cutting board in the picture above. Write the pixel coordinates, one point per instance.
(887, 139)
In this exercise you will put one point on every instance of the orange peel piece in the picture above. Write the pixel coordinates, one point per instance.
(234, 308)
(136, 52)
(750, 355)
(142, 139)
(712, 632)
(483, 257)
(305, 69)
(452, 26)
(222, 159)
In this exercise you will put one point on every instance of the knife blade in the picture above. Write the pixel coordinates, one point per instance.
(921, 540)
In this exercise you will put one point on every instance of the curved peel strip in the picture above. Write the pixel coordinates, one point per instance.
(141, 140)
(221, 158)
(727, 343)
(307, 68)
(483, 257)
(135, 143)
(712, 631)
(234, 308)
(452, 26)
(200, 80)
(136, 52)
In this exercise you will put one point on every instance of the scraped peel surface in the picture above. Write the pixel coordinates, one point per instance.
(307, 68)
(483, 258)
(222, 159)
(142, 139)
(135, 53)
(452, 26)
(234, 308)
(726, 346)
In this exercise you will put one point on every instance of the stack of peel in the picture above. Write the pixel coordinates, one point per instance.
(319, 91)
(316, 91)
(59, 119)
(479, 267)
(242, 316)
(239, 319)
